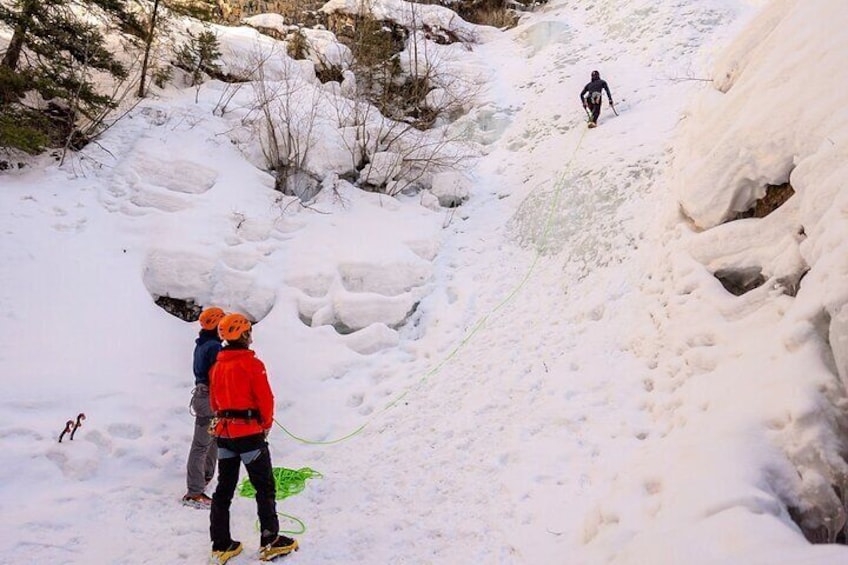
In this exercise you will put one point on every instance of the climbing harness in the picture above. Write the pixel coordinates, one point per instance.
(213, 427)
(249, 414)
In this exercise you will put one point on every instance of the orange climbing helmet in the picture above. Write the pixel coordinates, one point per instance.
(232, 326)
(210, 317)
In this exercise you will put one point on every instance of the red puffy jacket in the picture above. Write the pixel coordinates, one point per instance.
(238, 381)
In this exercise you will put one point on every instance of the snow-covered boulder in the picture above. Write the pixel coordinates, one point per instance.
(372, 339)
(242, 48)
(322, 47)
(768, 111)
(325, 49)
(776, 116)
(348, 84)
(384, 166)
(430, 201)
(337, 153)
(451, 188)
(274, 22)
(205, 280)
(440, 21)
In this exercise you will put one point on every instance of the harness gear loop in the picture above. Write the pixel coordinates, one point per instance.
(249, 414)
(213, 423)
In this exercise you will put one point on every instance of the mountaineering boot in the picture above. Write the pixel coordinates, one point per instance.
(593, 125)
(222, 555)
(200, 501)
(276, 547)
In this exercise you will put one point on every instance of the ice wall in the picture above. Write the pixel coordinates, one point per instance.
(776, 114)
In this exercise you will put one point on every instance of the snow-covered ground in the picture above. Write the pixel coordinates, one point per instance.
(574, 385)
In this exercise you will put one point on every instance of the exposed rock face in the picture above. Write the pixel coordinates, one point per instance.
(305, 12)
(295, 11)
(340, 21)
(775, 196)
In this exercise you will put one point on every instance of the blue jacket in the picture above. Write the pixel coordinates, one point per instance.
(207, 346)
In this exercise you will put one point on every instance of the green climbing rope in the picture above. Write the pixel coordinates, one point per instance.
(289, 482)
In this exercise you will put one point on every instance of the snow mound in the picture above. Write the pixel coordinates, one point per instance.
(741, 146)
(451, 188)
(775, 345)
(175, 175)
(323, 48)
(204, 280)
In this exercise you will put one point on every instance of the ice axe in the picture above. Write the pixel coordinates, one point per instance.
(69, 426)
(77, 424)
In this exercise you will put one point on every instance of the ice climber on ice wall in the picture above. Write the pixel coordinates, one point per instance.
(592, 98)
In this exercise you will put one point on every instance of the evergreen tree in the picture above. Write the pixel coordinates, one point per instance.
(51, 53)
(201, 9)
(199, 55)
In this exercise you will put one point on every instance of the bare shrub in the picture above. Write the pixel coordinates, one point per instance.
(375, 50)
(420, 154)
(297, 45)
(284, 114)
(329, 73)
(392, 156)
(398, 70)
(404, 97)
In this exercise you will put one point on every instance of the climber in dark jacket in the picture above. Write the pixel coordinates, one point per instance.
(591, 97)
(203, 454)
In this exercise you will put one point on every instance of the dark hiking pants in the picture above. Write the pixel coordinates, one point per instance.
(595, 108)
(253, 452)
(200, 468)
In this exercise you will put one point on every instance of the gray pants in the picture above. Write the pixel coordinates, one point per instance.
(204, 452)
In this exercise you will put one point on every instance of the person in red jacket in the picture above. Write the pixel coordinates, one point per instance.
(244, 408)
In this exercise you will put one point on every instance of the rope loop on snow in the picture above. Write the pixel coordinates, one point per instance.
(288, 482)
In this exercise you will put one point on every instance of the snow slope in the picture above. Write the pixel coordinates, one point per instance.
(574, 385)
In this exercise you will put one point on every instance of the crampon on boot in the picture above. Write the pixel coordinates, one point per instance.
(221, 556)
(200, 501)
(277, 547)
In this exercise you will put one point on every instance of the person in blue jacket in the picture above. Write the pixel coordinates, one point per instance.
(591, 97)
(203, 454)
